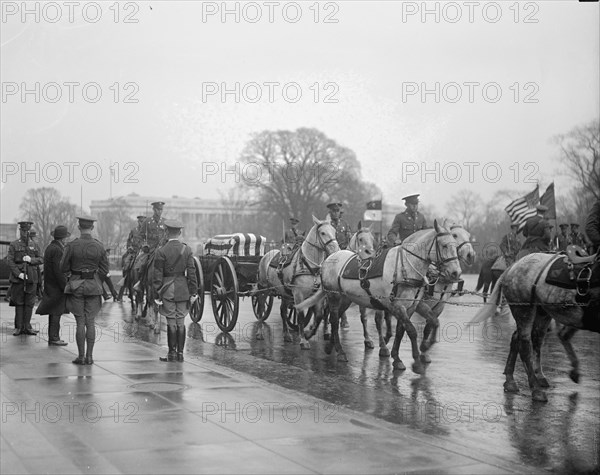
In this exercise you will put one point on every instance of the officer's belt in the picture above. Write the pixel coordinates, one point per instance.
(173, 274)
(84, 274)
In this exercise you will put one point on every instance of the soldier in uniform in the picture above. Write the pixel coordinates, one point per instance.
(538, 234)
(592, 227)
(563, 239)
(176, 287)
(293, 235)
(135, 239)
(153, 236)
(54, 300)
(406, 223)
(23, 259)
(577, 237)
(86, 262)
(110, 285)
(510, 245)
(343, 232)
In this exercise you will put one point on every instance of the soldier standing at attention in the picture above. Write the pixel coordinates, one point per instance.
(85, 260)
(175, 285)
(23, 259)
(343, 231)
(406, 223)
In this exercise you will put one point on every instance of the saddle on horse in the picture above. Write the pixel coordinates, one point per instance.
(575, 270)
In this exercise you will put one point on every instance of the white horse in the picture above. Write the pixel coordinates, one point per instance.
(302, 276)
(433, 302)
(404, 273)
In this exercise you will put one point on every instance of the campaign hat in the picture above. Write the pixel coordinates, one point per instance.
(86, 222)
(173, 224)
(412, 199)
(60, 232)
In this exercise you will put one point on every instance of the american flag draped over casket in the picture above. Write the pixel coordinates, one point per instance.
(238, 244)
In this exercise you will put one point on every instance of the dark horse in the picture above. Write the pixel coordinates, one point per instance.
(139, 281)
(490, 272)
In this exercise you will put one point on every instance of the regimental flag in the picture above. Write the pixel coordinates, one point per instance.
(373, 212)
(548, 200)
(521, 209)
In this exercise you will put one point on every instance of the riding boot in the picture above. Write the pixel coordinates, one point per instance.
(172, 343)
(27, 328)
(180, 342)
(19, 311)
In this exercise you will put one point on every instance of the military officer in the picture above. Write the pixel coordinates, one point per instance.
(135, 239)
(23, 258)
(510, 245)
(406, 223)
(538, 234)
(563, 239)
(293, 235)
(175, 284)
(153, 229)
(86, 261)
(343, 232)
(577, 237)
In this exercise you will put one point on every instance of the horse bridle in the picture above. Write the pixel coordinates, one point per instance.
(461, 244)
(440, 260)
(324, 244)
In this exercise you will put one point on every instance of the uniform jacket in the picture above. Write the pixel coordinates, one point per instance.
(153, 232)
(293, 235)
(53, 299)
(404, 225)
(342, 232)
(16, 251)
(537, 232)
(135, 239)
(592, 225)
(84, 254)
(578, 239)
(562, 242)
(174, 272)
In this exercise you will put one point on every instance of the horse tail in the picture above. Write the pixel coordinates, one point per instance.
(311, 301)
(489, 309)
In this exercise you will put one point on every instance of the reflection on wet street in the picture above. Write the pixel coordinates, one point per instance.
(460, 397)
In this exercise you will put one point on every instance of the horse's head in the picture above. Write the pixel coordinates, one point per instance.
(465, 250)
(323, 236)
(362, 242)
(444, 253)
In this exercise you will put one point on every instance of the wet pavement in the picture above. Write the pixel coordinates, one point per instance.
(453, 419)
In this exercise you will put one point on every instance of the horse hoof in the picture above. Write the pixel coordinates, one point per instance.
(539, 395)
(574, 375)
(418, 368)
(342, 357)
(287, 338)
(511, 387)
(305, 345)
(327, 336)
(328, 348)
(369, 345)
(425, 358)
(399, 365)
(543, 382)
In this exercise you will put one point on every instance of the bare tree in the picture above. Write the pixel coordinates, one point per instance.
(464, 207)
(297, 173)
(46, 208)
(580, 155)
(113, 226)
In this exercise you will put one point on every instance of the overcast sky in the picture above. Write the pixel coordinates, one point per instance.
(509, 75)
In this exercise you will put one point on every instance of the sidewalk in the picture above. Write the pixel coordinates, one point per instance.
(131, 413)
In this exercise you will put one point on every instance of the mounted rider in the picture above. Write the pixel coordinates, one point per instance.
(292, 238)
(153, 235)
(563, 239)
(406, 223)
(538, 234)
(342, 228)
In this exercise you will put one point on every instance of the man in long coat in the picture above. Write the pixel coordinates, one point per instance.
(538, 234)
(53, 299)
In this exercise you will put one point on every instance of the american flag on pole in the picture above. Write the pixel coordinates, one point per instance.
(521, 209)
(373, 212)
